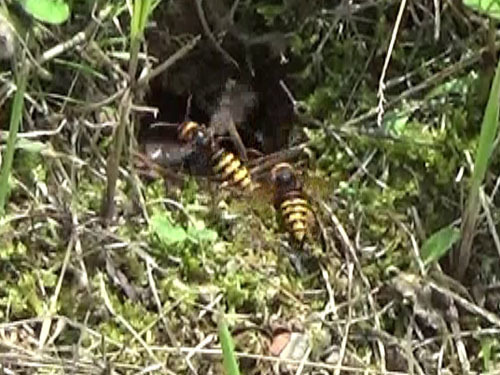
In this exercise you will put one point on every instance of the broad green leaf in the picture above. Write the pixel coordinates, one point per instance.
(230, 363)
(50, 11)
(439, 243)
(166, 231)
(488, 7)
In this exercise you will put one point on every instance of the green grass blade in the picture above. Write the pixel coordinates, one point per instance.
(230, 362)
(142, 9)
(135, 22)
(146, 8)
(487, 136)
(15, 119)
(141, 12)
(81, 67)
(489, 128)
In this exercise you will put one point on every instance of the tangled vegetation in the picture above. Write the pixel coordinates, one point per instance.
(112, 262)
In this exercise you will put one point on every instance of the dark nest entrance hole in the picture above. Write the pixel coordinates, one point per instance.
(204, 73)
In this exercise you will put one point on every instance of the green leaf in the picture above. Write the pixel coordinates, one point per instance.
(439, 243)
(270, 12)
(166, 231)
(141, 12)
(489, 128)
(486, 345)
(202, 234)
(15, 120)
(50, 11)
(488, 7)
(457, 86)
(230, 363)
(395, 123)
(31, 146)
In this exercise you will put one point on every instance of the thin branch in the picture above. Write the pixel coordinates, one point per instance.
(182, 52)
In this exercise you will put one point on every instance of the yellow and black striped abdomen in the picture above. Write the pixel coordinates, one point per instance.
(187, 130)
(297, 216)
(231, 170)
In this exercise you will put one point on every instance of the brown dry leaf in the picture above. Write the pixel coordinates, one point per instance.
(280, 341)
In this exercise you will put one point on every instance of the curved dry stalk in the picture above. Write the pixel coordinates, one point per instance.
(206, 29)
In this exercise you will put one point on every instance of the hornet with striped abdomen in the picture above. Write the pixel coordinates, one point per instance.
(227, 167)
(290, 201)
